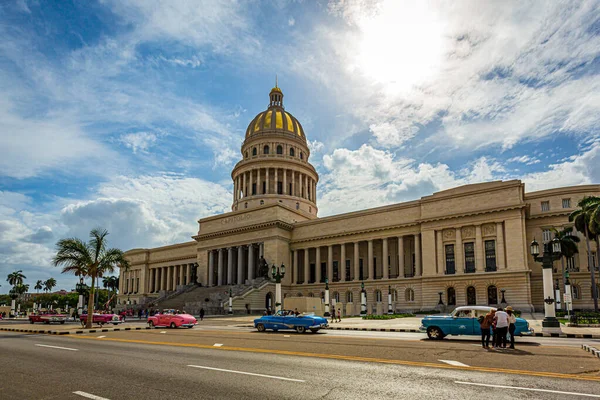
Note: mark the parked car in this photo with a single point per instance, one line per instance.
(284, 319)
(464, 321)
(172, 319)
(47, 318)
(101, 319)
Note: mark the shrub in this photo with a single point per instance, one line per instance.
(386, 316)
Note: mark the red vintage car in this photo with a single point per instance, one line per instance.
(172, 319)
(47, 318)
(102, 319)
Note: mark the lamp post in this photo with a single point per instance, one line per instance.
(80, 288)
(551, 253)
(13, 295)
(567, 299)
(278, 273)
(503, 300)
(363, 300)
(557, 295)
(327, 313)
(390, 310)
(440, 302)
(230, 300)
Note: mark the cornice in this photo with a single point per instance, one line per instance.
(471, 213)
(469, 190)
(164, 260)
(353, 233)
(261, 161)
(548, 214)
(277, 223)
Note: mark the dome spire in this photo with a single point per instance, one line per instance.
(276, 96)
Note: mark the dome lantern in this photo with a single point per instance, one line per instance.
(276, 96)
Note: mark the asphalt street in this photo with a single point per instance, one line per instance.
(220, 363)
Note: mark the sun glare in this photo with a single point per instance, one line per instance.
(401, 45)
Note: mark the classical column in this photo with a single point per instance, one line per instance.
(293, 183)
(295, 272)
(211, 268)
(342, 264)
(356, 262)
(155, 282)
(250, 262)
(259, 183)
(385, 264)
(418, 271)
(240, 265)
(261, 249)
(330, 263)
(230, 265)
(285, 188)
(441, 251)
(276, 181)
(175, 273)
(306, 266)
(318, 264)
(169, 278)
(400, 256)
(220, 268)
(458, 252)
(500, 246)
(479, 265)
(267, 184)
(163, 276)
(306, 186)
(370, 273)
(188, 274)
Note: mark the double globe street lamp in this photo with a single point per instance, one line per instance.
(552, 252)
(278, 273)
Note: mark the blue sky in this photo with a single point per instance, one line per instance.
(129, 114)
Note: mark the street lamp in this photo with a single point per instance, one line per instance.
(503, 301)
(557, 295)
(278, 273)
(230, 300)
(13, 295)
(551, 253)
(327, 313)
(80, 288)
(567, 300)
(440, 302)
(390, 310)
(363, 300)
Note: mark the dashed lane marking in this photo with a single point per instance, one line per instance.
(100, 337)
(455, 363)
(89, 396)
(529, 389)
(217, 344)
(57, 347)
(286, 336)
(247, 373)
(163, 331)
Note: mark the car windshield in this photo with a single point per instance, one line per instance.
(463, 313)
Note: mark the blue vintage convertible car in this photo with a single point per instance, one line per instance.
(464, 321)
(287, 320)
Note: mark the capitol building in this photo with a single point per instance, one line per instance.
(463, 246)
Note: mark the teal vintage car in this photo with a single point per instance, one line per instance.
(285, 319)
(464, 321)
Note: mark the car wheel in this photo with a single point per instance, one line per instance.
(275, 330)
(62, 322)
(173, 326)
(260, 327)
(300, 329)
(435, 333)
(47, 322)
(314, 330)
(151, 324)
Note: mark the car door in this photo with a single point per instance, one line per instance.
(462, 323)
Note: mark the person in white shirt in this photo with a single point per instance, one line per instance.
(512, 321)
(502, 323)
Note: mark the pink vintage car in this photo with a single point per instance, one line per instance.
(102, 319)
(172, 320)
(47, 318)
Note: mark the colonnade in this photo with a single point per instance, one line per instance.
(234, 265)
(260, 181)
(129, 282)
(351, 263)
(157, 278)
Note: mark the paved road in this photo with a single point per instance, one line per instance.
(186, 364)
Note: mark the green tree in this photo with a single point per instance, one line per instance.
(16, 278)
(38, 286)
(583, 222)
(49, 284)
(568, 247)
(92, 257)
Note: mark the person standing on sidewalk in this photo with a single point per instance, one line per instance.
(201, 314)
(512, 320)
(486, 322)
(339, 314)
(501, 328)
(333, 314)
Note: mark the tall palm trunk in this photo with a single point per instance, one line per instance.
(564, 283)
(591, 268)
(90, 316)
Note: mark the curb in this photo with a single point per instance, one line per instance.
(595, 352)
(51, 332)
(374, 329)
(567, 335)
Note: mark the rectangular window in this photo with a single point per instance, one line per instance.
(546, 235)
(450, 267)
(571, 266)
(593, 261)
(469, 257)
(390, 266)
(375, 268)
(254, 189)
(312, 272)
(336, 275)
(290, 189)
(490, 255)
(323, 271)
(566, 203)
(347, 270)
(279, 188)
(545, 206)
(361, 275)
(264, 189)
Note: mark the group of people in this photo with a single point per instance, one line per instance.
(497, 324)
(333, 314)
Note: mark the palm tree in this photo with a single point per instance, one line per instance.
(16, 278)
(594, 205)
(568, 247)
(583, 219)
(92, 257)
(49, 284)
(38, 286)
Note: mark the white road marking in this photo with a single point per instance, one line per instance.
(530, 389)
(163, 331)
(247, 373)
(455, 363)
(286, 335)
(90, 396)
(56, 347)
(100, 337)
(217, 344)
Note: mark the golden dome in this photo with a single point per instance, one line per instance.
(275, 118)
(276, 89)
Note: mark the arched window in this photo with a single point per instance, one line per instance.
(576, 292)
(451, 296)
(246, 205)
(409, 295)
(292, 152)
(471, 296)
(299, 295)
(336, 296)
(254, 151)
(266, 150)
(279, 149)
(246, 154)
(492, 295)
(301, 156)
(394, 295)
(262, 202)
(349, 297)
(378, 296)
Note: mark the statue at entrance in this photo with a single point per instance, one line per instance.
(263, 268)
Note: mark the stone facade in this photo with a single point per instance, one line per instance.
(469, 243)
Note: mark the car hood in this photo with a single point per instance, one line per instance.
(437, 316)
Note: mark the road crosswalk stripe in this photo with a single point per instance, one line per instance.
(455, 363)
(90, 396)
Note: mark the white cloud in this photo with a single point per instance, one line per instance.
(192, 62)
(315, 146)
(524, 160)
(291, 21)
(139, 141)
